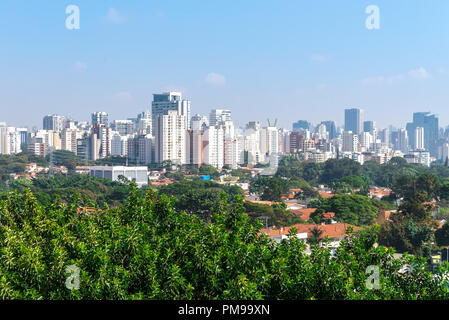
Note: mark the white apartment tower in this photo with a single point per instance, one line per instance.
(213, 143)
(419, 138)
(269, 141)
(170, 101)
(170, 137)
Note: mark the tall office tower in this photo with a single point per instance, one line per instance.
(123, 127)
(429, 122)
(296, 142)
(350, 141)
(53, 122)
(24, 135)
(101, 118)
(170, 137)
(83, 146)
(139, 149)
(354, 120)
(199, 122)
(330, 128)
(170, 101)
(194, 147)
(301, 125)
(219, 116)
(370, 126)
(213, 153)
(419, 139)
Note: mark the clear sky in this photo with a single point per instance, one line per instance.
(262, 59)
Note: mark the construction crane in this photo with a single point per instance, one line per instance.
(275, 122)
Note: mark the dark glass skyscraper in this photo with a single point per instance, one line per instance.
(354, 120)
(369, 126)
(301, 125)
(429, 122)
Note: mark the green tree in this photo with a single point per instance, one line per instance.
(350, 208)
(442, 235)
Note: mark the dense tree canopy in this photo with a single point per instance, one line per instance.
(145, 249)
(198, 196)
(371, 172)
(350, 208)
(101, 191)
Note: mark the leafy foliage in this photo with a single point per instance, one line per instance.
(145, 249)
(350, 208)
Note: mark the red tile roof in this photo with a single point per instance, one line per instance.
(304, 214)
(327, 215)
(332, 231)
(326, 195)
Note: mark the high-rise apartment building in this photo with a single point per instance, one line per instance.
(123, 127)
(144, 123)
(419, 139)
(53, 122)
(170, 137)
(269, 141)
(103, 134)
(199, 122)
(230, 145)
(251, 144)
(101, 118)
(296, 142)
(139, 149)
(164, 102)
(214, 146)
(194, 147)
(350, 141)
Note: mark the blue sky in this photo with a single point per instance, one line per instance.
(263, 59)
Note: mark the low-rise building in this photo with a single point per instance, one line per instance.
(139, 175)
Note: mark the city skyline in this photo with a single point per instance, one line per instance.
(285, 60)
